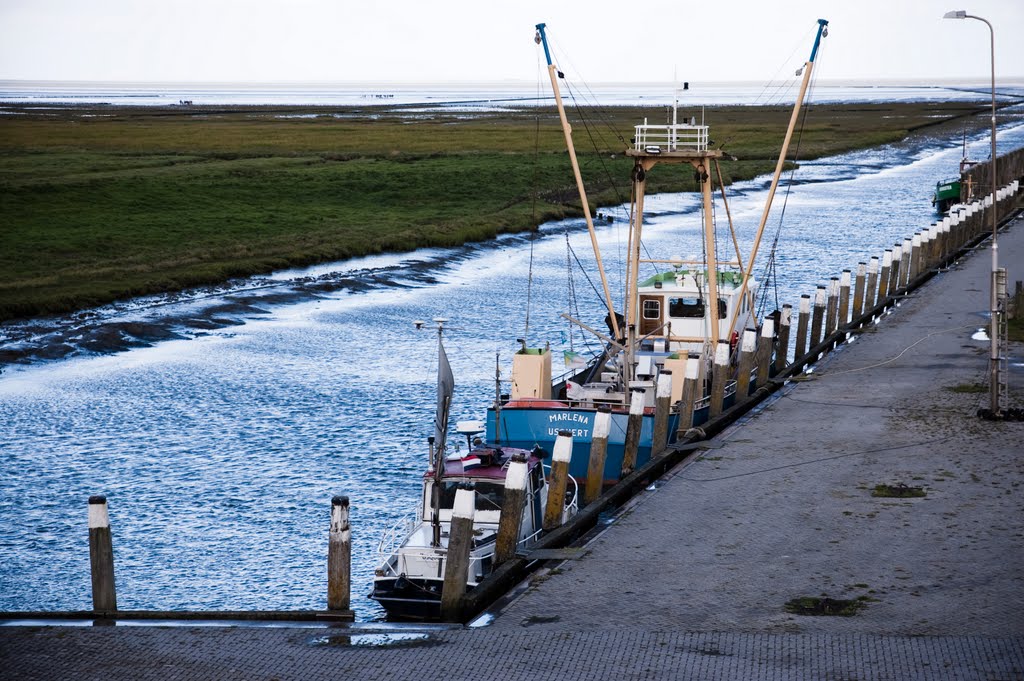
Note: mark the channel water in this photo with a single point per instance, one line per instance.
(219, 423)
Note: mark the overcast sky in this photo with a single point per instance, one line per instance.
(473, 40)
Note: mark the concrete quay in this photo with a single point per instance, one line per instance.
(690, 580)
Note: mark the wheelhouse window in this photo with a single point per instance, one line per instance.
(722, 308)
(652, 309)
(682, 308)
(489, 495)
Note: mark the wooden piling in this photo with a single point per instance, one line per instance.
(915, 255)
(858, 290)
(510, 522)
(460, 544)
(943, 239)
(926, 250)
(599, 451)
(933, 239)
(894, 270)
(905, 250)
(748, 346)
(691, 393)
(870, 293)
(818, 316)
(633, 428)
(844, 297)
(883, 276)
(101, 556)
(339, 556)
(763, 358)
(719, 377)
(801, 326)
(560, 457)
(782, 346)
(662, 408)
(832, 306)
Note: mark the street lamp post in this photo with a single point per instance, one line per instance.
(994, 329)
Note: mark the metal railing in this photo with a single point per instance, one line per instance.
(669, 138)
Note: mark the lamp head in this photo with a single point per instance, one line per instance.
(955, 14)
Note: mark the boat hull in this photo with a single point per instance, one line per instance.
(528, 427)
(409, 598)
(946, 194)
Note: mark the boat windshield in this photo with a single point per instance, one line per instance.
(489, 495)
(685, 307)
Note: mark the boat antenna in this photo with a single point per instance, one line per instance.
(555, 74)
(807, 69)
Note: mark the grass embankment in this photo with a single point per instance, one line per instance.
(104, 203)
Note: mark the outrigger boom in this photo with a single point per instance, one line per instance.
(808, 67)
(567, 129)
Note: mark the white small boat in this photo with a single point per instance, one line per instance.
(409, 579)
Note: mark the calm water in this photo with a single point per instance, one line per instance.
(219, 423)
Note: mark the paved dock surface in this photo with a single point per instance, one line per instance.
(691, 580)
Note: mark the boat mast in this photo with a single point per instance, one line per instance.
(808, 67)
(445, 389)
(567, 130)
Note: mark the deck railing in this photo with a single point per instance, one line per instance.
(669, 138)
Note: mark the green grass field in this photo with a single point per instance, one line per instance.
(104, 203)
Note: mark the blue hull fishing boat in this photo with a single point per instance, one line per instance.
(676, 312)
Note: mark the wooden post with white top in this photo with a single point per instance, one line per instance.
(763, 358)
(832, 308)
(801, 326)
(905, 252)
(598, 453)
(460, 545)
(662, 408)
(782, 346)
(858, 290)
(510, 522)
(633, 428)
(915, 255)
(720, 375)
(895, 271)
(844, 297)
(691, 388)
(883, 276)
(748, 347)
(101, 556)
(870, 293)
(818, 317)
(339, 556)
(560, 457)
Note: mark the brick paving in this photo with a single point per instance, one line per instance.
(690, 581)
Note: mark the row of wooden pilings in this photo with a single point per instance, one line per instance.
(339, 569)
(824, 319)
(339, 553)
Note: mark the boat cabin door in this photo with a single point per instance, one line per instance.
(652, 314)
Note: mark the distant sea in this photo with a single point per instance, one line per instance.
(481, 96)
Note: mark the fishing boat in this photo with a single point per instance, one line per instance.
(409, 579)
(947, 193)
(951, 192)
(673, 307)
